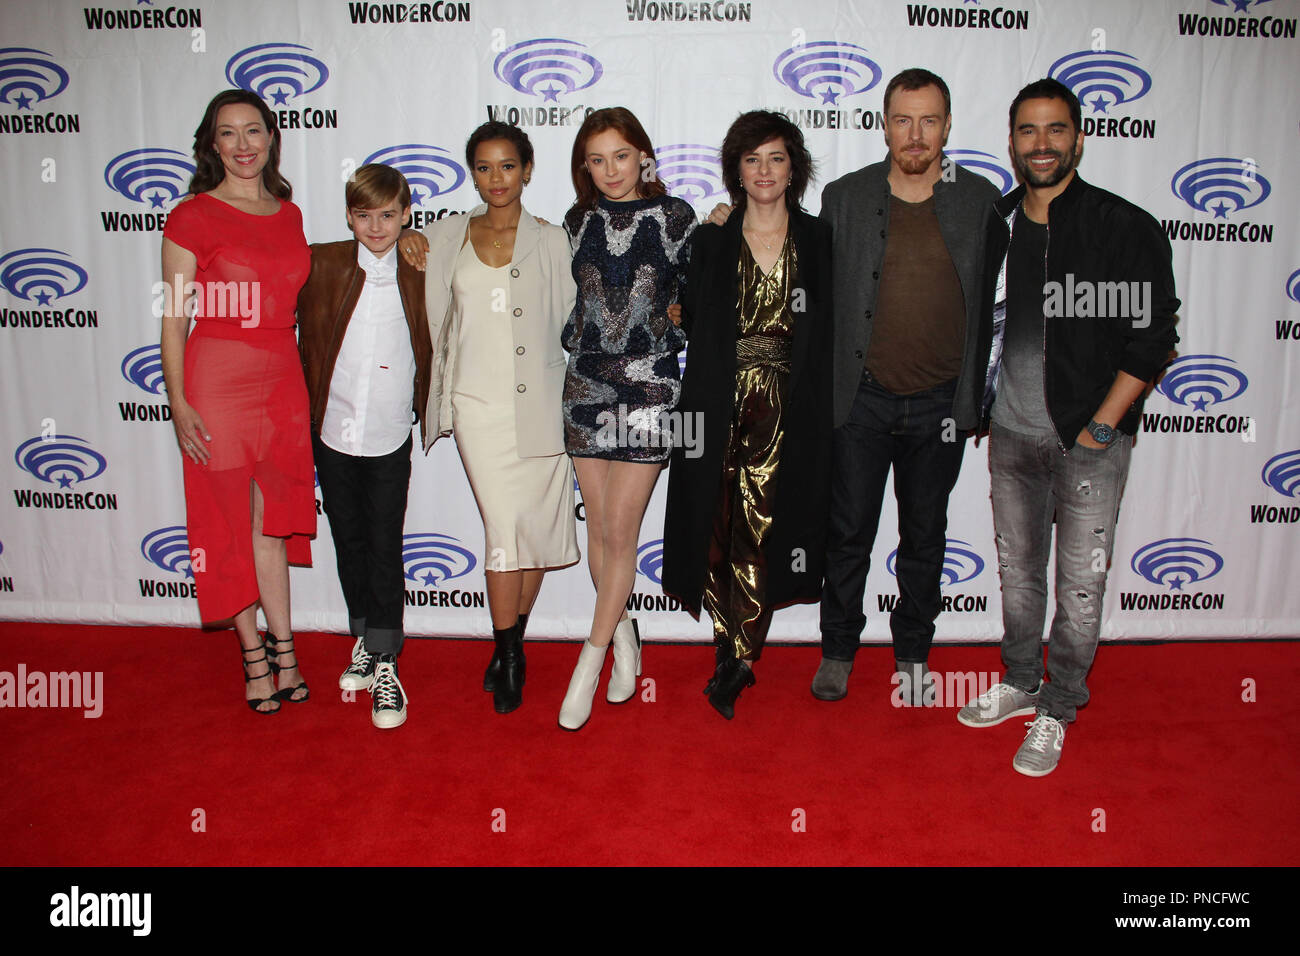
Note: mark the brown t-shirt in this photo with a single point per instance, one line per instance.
(918, 335)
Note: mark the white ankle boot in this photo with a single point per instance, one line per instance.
(627, 662)
(582, 686)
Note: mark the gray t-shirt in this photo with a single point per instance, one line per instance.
(1020, 404)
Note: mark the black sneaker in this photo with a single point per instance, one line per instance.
(387, 699)
(361, 670)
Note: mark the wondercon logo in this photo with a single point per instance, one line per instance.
(1293, 286)
(547, 67)
(1229, 184)
(960, 564)
(431, 559)
(1202, 380)
(690, 171)
(169, 549)
(650, 560)
(429, 169)
(64, 460)
(1282, 473)
(143, 367)
(826, 69)
(39, 275)
(277, 71)
(1239, 6)
(986, 164)
(28, 76)
(1102, 79)
(1177, 561)
(152, 175)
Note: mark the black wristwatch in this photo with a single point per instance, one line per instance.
(1101, 434)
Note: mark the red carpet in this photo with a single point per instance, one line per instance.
(1184, 771)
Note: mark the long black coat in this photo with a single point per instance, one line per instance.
(795, 548)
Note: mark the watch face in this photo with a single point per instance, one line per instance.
(1103, 434)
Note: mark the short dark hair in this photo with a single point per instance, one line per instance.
(209, 171)
(750, 131)
(1048, 89)
(495, 129)
(917, 78)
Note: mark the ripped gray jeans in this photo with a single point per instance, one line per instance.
(1031, 483)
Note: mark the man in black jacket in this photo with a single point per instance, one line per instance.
(1084, 319)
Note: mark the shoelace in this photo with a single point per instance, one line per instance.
(386, 686)
(361, 659)
(1041, 730)
(994, 695)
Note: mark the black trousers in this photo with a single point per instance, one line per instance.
(365, 501)
(907, 433)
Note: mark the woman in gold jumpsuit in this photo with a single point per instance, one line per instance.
(745, 525)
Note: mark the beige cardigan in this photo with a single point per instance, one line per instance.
(542, 294)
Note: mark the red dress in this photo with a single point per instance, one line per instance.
(244, 377)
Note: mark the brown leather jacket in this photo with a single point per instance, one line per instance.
(325, 307)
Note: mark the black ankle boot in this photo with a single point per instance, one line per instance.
(720, 653)
(733, 677)
(508, 693)
(493, 672)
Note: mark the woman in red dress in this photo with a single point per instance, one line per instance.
(234, 257)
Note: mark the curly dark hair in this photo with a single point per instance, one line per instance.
(495, 129)
(208, 170)
(750, 131)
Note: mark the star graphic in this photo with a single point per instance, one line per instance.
(65, 482)
(24, 101)
(429, 579)
(42, 298)
(1241, 5)
(1200, 403)
(417, 196)
(189, 571)
(1099, 103)
(280, 97)
(156, 199)
(1176, 584)
(550, 94)
(138, 2)
(829, 95)
(1220, 210)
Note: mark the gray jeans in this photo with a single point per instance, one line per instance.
(1032, 482)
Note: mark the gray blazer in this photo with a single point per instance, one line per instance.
(857, 208)
(542, 293)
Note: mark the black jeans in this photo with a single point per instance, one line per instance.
(915, 435)
(365, 501)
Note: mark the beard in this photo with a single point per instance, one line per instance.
(914, 164)
(1065, 163)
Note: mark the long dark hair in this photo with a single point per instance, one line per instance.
(622, 120)
(208, 171)
(750, 131)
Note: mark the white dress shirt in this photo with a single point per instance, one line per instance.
(373, 385)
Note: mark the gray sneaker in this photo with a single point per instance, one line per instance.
(831, 682)
(1000, 702)
(1041, 751)
(362, 669)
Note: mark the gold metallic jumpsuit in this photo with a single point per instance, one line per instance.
(737, 580)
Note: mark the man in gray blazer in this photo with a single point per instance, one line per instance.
(912, 334)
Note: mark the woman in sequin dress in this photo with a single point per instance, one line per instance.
(631, 247)
(745, 524)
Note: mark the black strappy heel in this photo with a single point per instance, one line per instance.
(255, 702)
(285, 693)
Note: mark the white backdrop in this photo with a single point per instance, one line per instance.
(1192, 110)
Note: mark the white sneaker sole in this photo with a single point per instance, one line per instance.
(353, 682)
(388, 719)
(979, 722)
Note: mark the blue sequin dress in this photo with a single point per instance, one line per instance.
(623, 380)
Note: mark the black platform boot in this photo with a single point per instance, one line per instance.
(509, 691)
(493, 672)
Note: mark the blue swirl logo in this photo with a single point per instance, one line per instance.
(152, 175)
(548, 67)
(1293, 286)
(1220, 185)
(1282, 473)
(1239, 6)
(690, 171)
(1202, 380)
(29, 76)
(169, 549)
(1173, 562)
(650, 560)
(960, 564)
(986, 164)
(1102, 80)
(827, 70)
(40, 275)
(64, 460)
(143, 367)
(429, 169)
(277, 72)
(431, 559)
